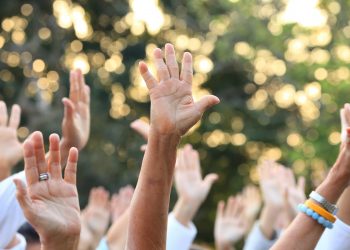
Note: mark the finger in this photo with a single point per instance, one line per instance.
(230, 206)
(68, 108)
(141, 127)
(39, 148)
(15, 117)
(74, 87)
(187, 68)
(196, 161)
(210, 179)
(347, 113)
(81, 82)
(343, 125)
(162, 69)
(206, 102)
(220, 210)
(70, 173)
(85, 96)
(55, 158)
(301, 183)
(171, 60)
(3, 114)
(143, 147)
(151, 82)
(30, 165)
(22, 196)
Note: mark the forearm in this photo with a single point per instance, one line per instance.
(344, 206)
(149, 208)
(116, 235)
(268, 220)
(305, 229)
(184, 211)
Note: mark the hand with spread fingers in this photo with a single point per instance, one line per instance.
(10, 147)
(173, 113)
(192, 189)
(173, 110)
(49, 202)
(76, 120)
(230, 223)
(94, 218)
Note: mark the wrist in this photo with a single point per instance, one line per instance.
(220, 245)
(185, 210)
(333, 186)
(268, 220)
(69, 243)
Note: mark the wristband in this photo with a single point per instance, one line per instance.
(309, 212)
(320, 210)
(324, 203)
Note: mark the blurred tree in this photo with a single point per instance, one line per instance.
(280, 70)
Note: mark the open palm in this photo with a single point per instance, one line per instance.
(76, 121)
(51, 206)
(188, 178)
(230, 223)
(10, 147)
(173, 110)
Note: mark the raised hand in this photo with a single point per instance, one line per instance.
(191, 188)
(10, 147)
(189, 183)
(173, 110)
(230, 223)
(120, 202)
(94, 218)
(76, 121)
(271, 183)
(252, 201)
(51, 206)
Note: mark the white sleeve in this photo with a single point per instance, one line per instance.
(257, 241)
(22, 245)
(179, 237)
(11, 215)
(337, 238)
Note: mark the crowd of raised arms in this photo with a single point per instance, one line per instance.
(39, 207)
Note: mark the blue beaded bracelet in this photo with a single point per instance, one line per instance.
(309, 212)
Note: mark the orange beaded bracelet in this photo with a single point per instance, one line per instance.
(320, 210)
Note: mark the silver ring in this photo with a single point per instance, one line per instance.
(44, 177)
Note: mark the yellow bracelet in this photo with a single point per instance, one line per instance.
(320, 210)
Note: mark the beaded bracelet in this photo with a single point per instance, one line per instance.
(320, 210)
(321, 220)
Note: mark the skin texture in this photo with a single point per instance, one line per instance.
(230, 223)
(192, 189)
(117, 233)
(305, 229)
(51, 206)
(173, 113)
(75, 125)
(252, 202)
(10, 147)
(94, 218)
(76, 120)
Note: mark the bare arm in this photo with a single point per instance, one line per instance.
(306, 230)
(173, 113)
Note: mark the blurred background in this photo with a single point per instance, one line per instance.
(280, 69)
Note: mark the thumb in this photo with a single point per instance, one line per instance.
(68, 108)
(206, 102)
(22, 195)
(210, 179)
